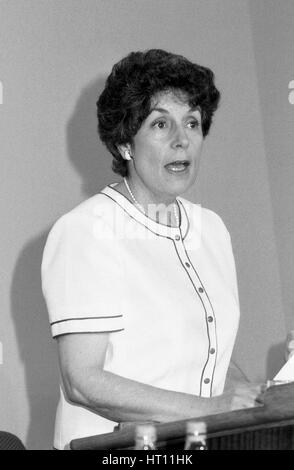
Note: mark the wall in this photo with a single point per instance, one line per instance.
(54, 57)
(272, 27)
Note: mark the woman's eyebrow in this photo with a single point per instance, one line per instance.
(160, 110)
(195, 108)
(165, 111)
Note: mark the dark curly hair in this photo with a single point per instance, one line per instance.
(126, 99)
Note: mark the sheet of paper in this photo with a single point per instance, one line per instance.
(287, 371)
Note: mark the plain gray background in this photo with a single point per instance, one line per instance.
(54, 57)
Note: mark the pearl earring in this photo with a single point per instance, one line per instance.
(127, 155)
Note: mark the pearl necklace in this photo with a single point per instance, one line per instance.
(142, 208)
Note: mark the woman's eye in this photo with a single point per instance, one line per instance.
(193, 124)
(160, 124)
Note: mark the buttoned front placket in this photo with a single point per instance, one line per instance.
(177, 236)
(206, 380)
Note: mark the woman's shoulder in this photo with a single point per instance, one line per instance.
(96, 205)
(208, 218)
(93, 214)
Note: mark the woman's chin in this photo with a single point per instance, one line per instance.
(179, 183)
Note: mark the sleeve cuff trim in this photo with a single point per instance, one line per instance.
(83, 325)
(85, 318)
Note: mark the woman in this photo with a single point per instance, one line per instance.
(140, 283)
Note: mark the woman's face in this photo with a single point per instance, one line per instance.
(166, 149)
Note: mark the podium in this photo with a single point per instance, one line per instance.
(269, 426)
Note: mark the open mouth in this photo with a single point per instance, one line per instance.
(177, 166)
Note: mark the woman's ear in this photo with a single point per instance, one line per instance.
(125, 151)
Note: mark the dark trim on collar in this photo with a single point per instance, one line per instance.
(155, 227)
(187, 218)
(138, 221)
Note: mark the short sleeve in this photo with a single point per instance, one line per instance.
(81, 277)
(230, 259)
(224, 251)
(232, 265)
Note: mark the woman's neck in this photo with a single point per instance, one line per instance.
(164, 212)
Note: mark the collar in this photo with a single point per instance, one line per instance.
(150, 224)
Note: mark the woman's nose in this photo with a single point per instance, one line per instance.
(179, 138)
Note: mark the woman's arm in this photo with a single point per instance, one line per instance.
(119, 399)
